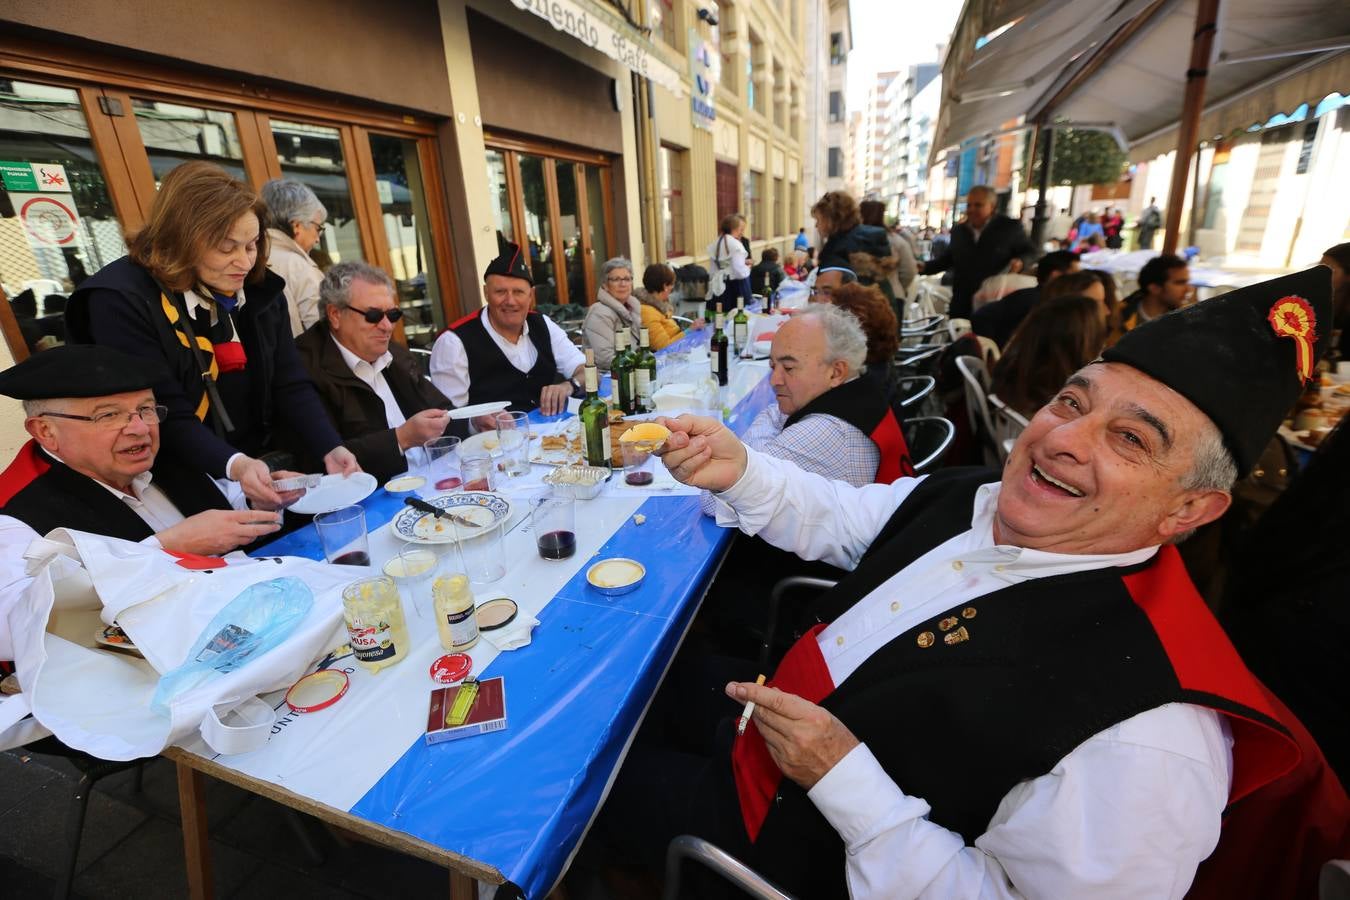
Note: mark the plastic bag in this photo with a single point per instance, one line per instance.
(260, 618)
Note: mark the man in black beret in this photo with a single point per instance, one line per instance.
(92, 412)
(506, 352)
(1017, 690)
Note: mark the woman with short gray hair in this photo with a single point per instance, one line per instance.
(615, 307)
(295, 218)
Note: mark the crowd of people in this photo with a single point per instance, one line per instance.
(1014, 689)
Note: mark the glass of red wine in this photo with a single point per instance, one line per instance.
(342, 533)
(639, 463)
(553, 520)
(443, 464)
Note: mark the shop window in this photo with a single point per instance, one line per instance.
(312, 154)
(672, 200)
(598, 225)
(726, 31)
(537, 228)
(501, 197)
(754, 205)
(575, 267)
(407, 229)
(779, 208)
(665, 22)
(57, 222)
(754, 75)
(173, 133)
(728, 191)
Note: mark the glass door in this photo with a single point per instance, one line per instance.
(407, 230)
(312, 154)
(57, 221)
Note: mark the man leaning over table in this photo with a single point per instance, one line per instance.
(371, 385)
(1017, 691)
(91, 410)
(825, 417)
(506, 352)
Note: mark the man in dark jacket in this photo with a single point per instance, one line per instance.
(371, 386)
(981, 245)
(767, 274)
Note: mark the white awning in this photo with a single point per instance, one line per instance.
(1139, 88)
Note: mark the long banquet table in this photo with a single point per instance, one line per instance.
(510, 806)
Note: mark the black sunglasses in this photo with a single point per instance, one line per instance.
(373, 316)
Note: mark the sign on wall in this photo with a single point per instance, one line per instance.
(705, 65)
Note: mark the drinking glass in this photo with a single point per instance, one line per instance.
(513, 438)
(342, 533)
(443, 463)
(553, 520)
(639, 463)
(413, 570)
(481, 551)
(478, 468)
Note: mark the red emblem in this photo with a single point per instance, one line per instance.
(1293, 317)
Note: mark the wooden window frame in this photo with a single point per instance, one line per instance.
(122, 157)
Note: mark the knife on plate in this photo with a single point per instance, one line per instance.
(424, 506)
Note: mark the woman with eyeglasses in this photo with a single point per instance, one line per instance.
(295, 218)
(615, 307)
(194, 292)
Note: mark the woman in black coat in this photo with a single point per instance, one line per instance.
(194, 291)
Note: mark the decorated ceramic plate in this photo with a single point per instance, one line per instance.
(485, 511)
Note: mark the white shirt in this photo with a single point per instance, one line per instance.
(450, 364)
(154, 507)
(1130, 812)
(373, 375)
(729, 251)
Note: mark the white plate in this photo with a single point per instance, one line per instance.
(335, 492)
(489, 510)
(479, 409)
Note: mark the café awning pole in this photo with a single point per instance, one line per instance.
(1202, 48)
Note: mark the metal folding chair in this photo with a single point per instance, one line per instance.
(912, 389)
(723, 863)
(929, 438)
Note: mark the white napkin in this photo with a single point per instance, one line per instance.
(512, 636)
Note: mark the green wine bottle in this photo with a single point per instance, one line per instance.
(621, 374)
(644, 368)
(740, 327)
(594, 415)
(717, 350)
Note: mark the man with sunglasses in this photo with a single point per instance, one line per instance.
(371, 385)
(93, 415)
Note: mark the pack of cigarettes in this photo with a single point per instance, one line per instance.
(462, 710)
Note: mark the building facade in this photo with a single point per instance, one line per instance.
(828, 80)
(432, 130)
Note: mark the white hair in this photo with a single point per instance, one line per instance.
(844, 337)
(290, 201)
(336, 287)
(610, 265)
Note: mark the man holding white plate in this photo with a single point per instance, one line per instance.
(370, 385)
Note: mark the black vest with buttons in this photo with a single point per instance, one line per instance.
(958, 712)
(491, 375)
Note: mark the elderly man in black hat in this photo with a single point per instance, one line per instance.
(506, 352)
(1017, 691)
(92, 412)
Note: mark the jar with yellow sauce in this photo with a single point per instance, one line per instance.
(375, 625)
(455, 612)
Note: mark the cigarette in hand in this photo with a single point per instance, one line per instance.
(748, 711)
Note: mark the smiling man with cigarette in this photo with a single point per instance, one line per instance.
(1017, 691)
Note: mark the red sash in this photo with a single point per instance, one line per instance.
(890, 440)
(802, 672)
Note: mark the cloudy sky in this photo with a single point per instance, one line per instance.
(892, 34)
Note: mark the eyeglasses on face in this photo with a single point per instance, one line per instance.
(151, 414)
(373, 316)
(620, 279)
